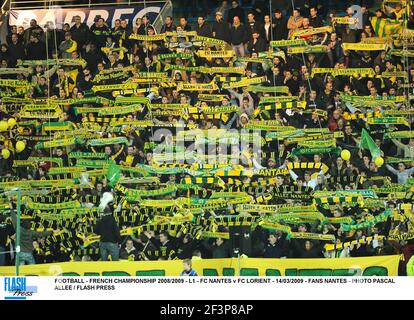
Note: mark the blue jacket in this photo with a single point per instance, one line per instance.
(191, 273)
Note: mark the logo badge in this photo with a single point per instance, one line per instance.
(16, 288)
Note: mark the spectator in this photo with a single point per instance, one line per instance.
(276, 247)
(163, 244)
(220, 28)
(52, 37)
(92, 57)
(129, 253)
(238, 37)
(186, 246)
(16, 50)
(219, 249)
(408, 150)
(314, 19)
(99, 30)
(295, 22)
(252, 24)
(34, 29)
(309, 250)
(80, 33)
(267, 30)
(85, 80)
(118, 31)
(13, 31)
(202, 28)
(257, 44)
(188, 269)
(146, 25)
(349, 36)
(26, 239)
(236, 11)
(184, 24)
(224, 9)
(402, 173)
(35, 49)
(67, 46)
(280, 31)
(168, 26)
(108, 230)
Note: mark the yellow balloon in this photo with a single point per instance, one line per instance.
(379, 161)
(11, 122)
(20, 146)
(5, 153)
(4, 126)
(346, 155)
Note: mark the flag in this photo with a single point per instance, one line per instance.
(386, 27)
(114, 174)
(368, 143)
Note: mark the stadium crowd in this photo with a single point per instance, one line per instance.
(69, 93)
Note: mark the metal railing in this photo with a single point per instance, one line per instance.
(166, 11)
(5, 7)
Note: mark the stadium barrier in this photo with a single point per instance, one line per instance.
(371, 266)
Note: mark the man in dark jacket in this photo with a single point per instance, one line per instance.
(236, 11)
(16, 50)
(220, 28)
(129, 252)
(238, 37)
(276, 248)
(314, 19)
(252, 24)
(26, 239)
(34, 29)
(92, 57)
(108, 229)
(202, 28)
(219, 250)
(80, 33)
(168, 26)
(184, 24)
(84, 80)
(99, 32)
(280, 30)
(36, 50)
(186, 247)
(145, 26)
(257, 44)
(165, 246)
(290, 82)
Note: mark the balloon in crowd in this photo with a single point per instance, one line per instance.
(379, 161)
(4, 126)
(5, 153)
(20, 146)
(346, 155)
(11, 123)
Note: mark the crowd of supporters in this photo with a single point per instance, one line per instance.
(108, 49)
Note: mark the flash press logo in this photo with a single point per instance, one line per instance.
(17, 289)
